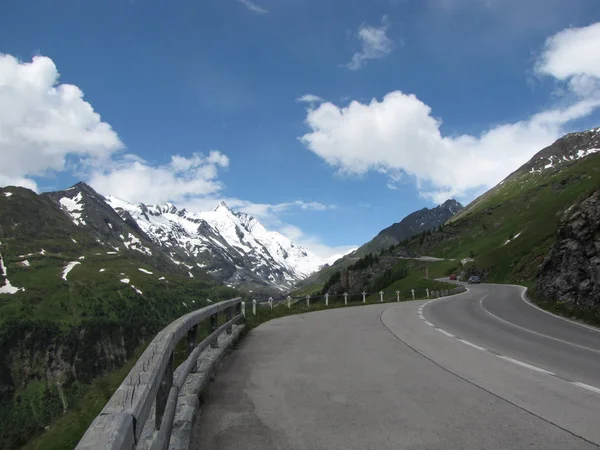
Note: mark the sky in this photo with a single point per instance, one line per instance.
(328, 120)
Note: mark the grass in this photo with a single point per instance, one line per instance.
(529, 207)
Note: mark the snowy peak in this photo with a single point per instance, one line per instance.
(222, 206)
(235, 248)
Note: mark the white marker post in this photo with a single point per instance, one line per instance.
(289, 302)
(427, 292)
(271, 303)
(381, 296)
(397, 296)
(345, 298)
(413, 293)
(364, 297)
(308, 301)
(244, 309)
(254, 306)
(326, 299)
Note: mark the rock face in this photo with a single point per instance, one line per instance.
(571, 271)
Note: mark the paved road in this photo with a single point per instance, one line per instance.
(379, 377)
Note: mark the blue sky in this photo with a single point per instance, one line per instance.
(411, 102)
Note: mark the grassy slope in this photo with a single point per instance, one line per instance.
(530, 206)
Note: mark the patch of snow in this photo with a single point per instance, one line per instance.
(145, 271)
(68, 268)
(43, 252)
(74, 240)
(8, 194)
(137, 290)
(111, 253)
(125, 280)
(74, 208)
(101, 270)
(162, 278)
(584, 153)
(190, 274)
(82, 257)
(25, 263)
(7, 288)
(183, 303)
(109, 225)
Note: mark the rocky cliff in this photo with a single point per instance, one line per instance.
(571, 271)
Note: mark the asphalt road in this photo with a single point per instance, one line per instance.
(386, 377)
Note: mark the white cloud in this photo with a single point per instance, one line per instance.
(310, 98)
(375, 45)
(314, 244)
(399, 134)
(182, 179)
(43, 123)
(572, 56)
(253, 7)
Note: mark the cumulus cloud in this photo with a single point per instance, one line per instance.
(399, 135)
(182, 179)
(251, 6)
(375, 45)
(572, 56)
(44, 123)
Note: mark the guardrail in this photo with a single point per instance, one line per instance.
(152, 381)
(330, 299)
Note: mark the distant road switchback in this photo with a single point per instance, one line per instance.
(480, 370)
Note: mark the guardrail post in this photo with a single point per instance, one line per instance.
(427, 292)
(308, 301)
(243, 308)
(364, 294)
(326, 299)
(345, 298)
(214, 320)
(254, 306)
(228, 317)
(413, 293)
(271, 303)
(289, 299)
(163, 393)
(381, 296)
(397, 296)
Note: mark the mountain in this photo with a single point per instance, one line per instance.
(234, 248)
(509, 230)
(415, 223)
(80, 290)
(423, 220)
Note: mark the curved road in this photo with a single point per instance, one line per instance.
(480, 370)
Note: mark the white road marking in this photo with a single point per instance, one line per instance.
(445, 332)
(521, 363)
(534, 332)
(472, 345)
(587, 386)
(429, 323)
(523, 297)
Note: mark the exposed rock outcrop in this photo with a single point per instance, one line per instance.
(571, 271)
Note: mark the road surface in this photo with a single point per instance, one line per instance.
(455, 373)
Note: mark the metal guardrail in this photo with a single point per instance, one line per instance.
(120, 424)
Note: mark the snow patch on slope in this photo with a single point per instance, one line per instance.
(74, 208)
(7, 288)
(68, 268)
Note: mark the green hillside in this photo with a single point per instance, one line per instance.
(511, 229)
(58, 335)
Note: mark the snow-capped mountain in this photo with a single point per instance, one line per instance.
(232, 247)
